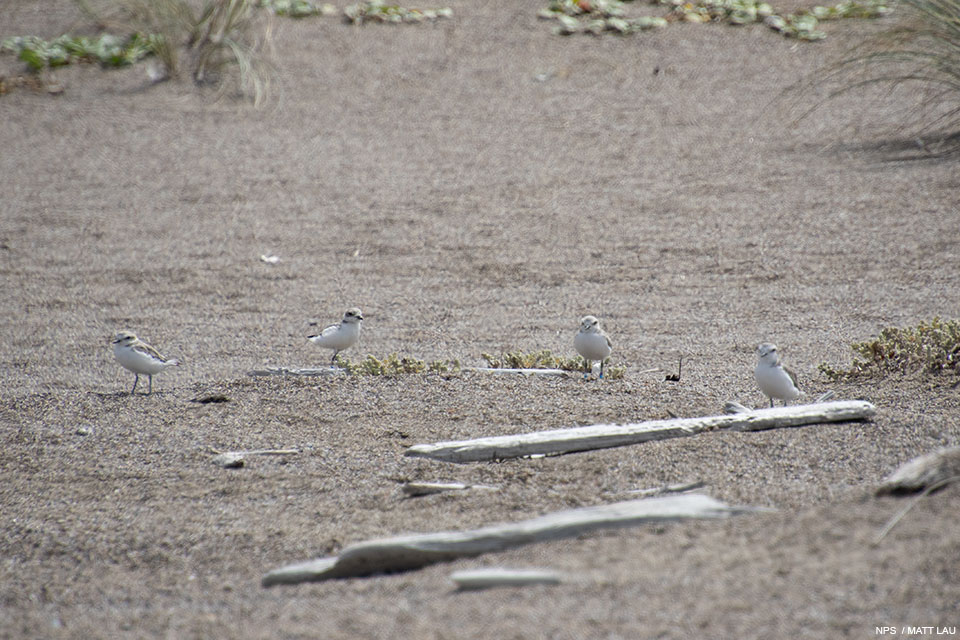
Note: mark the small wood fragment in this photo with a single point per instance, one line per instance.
(602, 436)
(474, 579)
(670, 488)
(237, 459)
(416, 489)
(306, 372)
(524, 372)
(404, 553)
(923, 472)
(229, 460)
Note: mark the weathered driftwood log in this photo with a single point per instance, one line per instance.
(601, 436)
(416, 489)
(414, 551)
(286, 371)
(929, 470)
(472, 579)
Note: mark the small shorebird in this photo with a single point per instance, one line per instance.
(340, 336)
(775, 380)
(592, 343)
(140, 358)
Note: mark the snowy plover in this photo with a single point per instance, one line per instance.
(592, 343)
(775, 380)
(140, 358)
(340, 336)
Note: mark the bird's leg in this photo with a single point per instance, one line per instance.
(136, 379)
(586, 368)
(333, 359)
(771, 402)
(150, 387)
(601, 369)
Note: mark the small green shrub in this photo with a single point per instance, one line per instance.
(378, 11)
(599, 16)
(297, 8)
(107, 49)
(930, 348)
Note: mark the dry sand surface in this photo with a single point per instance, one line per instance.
(474, 186)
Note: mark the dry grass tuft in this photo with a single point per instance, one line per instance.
(922, 49)
(212, 40)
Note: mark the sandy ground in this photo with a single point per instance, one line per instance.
(474, 186)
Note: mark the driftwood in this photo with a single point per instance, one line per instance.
(286, 371)
(236, 459)
(670, 488)
(416, 489)
(923, 472)
(408, 552)
(472, 579)
(602, 436)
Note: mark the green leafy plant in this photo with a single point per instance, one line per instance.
(395, 364)
(932, 347)
(297, 8)
(379, 11)
(598, 16)
(107, 49)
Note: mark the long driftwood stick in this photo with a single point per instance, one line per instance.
(601, 436)
(414, 551)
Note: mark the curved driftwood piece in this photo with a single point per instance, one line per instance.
(928, 470)
(601, 436)
(286, 371)
(414, 551)
(473, 579)
(522, 372)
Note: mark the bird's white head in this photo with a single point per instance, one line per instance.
(767, 352)
(589, 323)
(124, 338)
(352, 315)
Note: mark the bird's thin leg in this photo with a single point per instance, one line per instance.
(333, 359)
(771, 402)
(601, 369)
(150, 387)
(586, 368)
(136, 379)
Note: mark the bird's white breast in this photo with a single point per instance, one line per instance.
(338, 336)
(138, 361)
(775, 382)
(592, 345)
